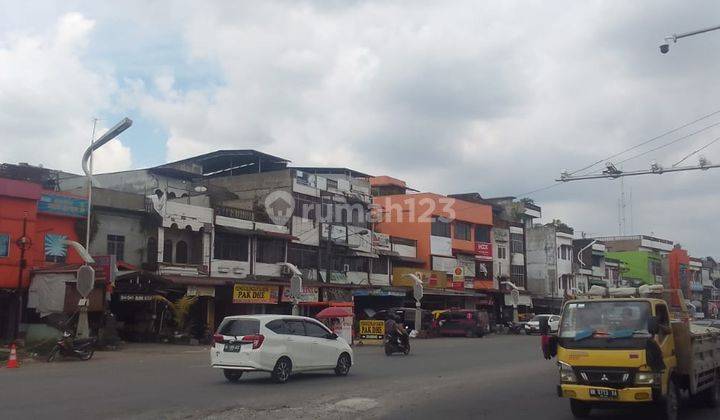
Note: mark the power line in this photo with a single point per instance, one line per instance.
(696, 151)
(670, 143)
(646, 142)
(540, 189)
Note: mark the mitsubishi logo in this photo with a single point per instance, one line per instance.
(604, 378)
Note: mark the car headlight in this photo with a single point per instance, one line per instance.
(567, 375)
(647, 378)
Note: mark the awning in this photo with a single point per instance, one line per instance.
(363, 254)
(525, 300)
(256, 232)
(408, 259)
(388, 252)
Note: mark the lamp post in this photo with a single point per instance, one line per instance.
(86, 274)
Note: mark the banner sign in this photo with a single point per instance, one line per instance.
(371, 329)
(245, 293)
(431, 279)
(308, 294)
(62, 205)
(483, 250)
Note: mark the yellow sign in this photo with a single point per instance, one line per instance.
(371, 329)
(245, 293)
(431, 279)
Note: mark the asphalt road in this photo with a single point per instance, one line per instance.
(496, 377)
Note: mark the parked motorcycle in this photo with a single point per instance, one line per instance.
(396, 344)
(511, 327)
(67, 346)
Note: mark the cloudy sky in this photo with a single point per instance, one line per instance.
(491, 97)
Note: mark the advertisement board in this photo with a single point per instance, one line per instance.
(371, 329)
(308, 294)
(431, 279)
(62, 205)
(483, 250)
(245, 293)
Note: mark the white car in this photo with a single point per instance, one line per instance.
(533, 326)
(279, 344)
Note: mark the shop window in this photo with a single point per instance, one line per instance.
(231, 247)
(152, 250)
(380, 265)
(167, 251)
(440, 227)
(357, 264)
(517, 243)
(4, 245)
(462, 231)
(482, 234)
(270, 251)
(181, 252)
(116, 246)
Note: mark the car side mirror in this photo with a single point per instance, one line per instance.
(653, 325)
(331, 336)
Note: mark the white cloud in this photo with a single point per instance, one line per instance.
(48, 97)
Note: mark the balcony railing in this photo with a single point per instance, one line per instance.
(235, 213)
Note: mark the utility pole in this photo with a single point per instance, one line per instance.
(655, 169)
(23, 243)
(89, 186)
(665, 47)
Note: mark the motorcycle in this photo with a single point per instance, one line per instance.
(394, 344)
(513, 328)
(67, 346)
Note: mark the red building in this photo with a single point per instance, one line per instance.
(678, 266)
(34, 223)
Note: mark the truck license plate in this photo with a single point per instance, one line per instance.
(603, 393)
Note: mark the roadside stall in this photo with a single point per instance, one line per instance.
(339, 319)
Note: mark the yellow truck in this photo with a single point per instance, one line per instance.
(622, 351)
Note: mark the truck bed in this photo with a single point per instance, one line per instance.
(698, 354)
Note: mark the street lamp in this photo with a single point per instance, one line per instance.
(665, 46)
(109, 135)
(86, 275)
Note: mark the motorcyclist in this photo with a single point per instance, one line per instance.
(395, 330)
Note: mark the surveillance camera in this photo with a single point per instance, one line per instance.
(664, 48)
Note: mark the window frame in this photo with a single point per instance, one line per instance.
(7, 250)
(439, 227)
(225, 243)
(260, 251)
(117, 243)
(466, 228)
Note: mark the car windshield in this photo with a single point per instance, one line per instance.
(619, 319)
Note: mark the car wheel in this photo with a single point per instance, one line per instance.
(712, 396)
(232, 375)
(579, 409)
(343, 365)
(282, 370)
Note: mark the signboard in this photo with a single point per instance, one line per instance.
(371, 329)
(62, 205)
(501, 235)
(127, 297)
(458, 275)
(85, 280)
(440, 245)
(201, 291)
(381, 241)
(245, 293)
(458, 285)
(307, 294)
(431, 279)
(55, 248)
(336, 295)
(483, 250)
(444, 264)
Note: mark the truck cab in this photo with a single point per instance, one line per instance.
(618, 351)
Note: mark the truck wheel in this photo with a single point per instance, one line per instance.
(670, 405)
(712, 395)
(579, 409)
